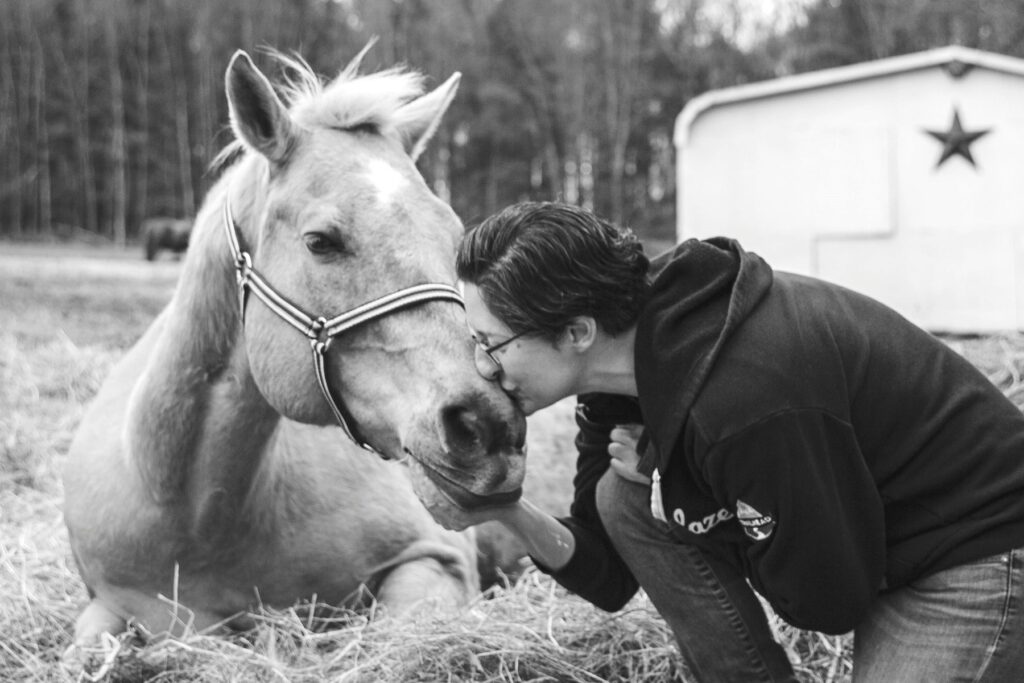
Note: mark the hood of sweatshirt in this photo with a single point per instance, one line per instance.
(701, 291)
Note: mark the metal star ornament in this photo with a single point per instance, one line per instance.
(956, 141)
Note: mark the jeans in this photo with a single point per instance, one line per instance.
(960, 624)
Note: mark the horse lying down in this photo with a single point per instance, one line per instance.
(226, 460)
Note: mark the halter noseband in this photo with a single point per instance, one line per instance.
(318, 330)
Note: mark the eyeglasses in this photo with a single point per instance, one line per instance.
(490, 350)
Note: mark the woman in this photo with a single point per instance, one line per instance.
(798, 438)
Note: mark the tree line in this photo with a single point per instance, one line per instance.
(111, 110)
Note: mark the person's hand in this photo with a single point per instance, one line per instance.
(623, 451)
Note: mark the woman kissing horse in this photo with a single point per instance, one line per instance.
(210, 474)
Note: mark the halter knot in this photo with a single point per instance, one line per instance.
(243, 266)
(317, 331)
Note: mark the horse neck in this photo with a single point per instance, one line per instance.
(198, 425)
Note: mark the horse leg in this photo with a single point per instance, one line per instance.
(95, 620)
(431, 573)
(94, 645)
(151, 247)
(89, 645)
(423, 581)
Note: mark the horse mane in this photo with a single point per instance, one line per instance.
(347, 102)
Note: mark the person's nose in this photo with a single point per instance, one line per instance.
(487, 368)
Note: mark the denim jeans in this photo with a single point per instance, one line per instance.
(961, 624)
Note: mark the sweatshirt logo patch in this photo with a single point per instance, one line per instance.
(755, 525)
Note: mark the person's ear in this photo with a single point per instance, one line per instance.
(581, 332)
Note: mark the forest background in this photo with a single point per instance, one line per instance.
(111, 110)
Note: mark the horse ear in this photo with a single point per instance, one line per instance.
(418, 120)
(258, 117)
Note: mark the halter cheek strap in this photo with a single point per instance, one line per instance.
(319, 330)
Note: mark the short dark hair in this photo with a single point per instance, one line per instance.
(538, 265)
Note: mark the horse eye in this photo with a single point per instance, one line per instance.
(320, 244)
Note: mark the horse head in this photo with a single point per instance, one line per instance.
(333, 220)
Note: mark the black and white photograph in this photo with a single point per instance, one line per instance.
(582, 341)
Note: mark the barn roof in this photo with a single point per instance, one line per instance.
(955, 58)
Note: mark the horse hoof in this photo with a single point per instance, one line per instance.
(91, 662)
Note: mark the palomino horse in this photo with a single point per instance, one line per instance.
(209, 474)
(164, 233)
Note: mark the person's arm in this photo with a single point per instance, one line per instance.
(574, 550)
(548, 541)
(595, 571)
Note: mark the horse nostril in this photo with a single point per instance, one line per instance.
(463, 430)
(481, 424)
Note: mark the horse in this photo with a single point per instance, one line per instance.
(164, 233)
(251, 451)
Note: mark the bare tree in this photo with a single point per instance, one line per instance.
(177, 75)
(118, 155)
(44, 180)
(621, 30)
(140, 169)
(10, 140)
(74, 63)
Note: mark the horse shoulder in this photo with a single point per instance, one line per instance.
(99, 457)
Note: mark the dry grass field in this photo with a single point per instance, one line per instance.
(66, 315)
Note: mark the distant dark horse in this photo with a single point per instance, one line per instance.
(165, 233)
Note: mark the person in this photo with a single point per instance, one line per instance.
(742, 430)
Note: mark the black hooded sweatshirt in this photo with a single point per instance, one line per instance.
(807, 435)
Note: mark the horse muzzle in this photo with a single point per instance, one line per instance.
(435, 489)
(471, 450)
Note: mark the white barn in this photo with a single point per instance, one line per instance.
(902, 178)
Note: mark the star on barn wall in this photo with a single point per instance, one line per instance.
(956, 141)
